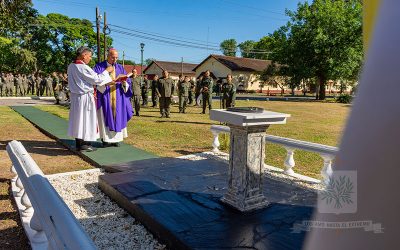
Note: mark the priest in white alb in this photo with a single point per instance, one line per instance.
(82, 115)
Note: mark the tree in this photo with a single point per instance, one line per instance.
(16, 17)
(246, 49)
(228, 47)
(266, 45)
(275, 74)
(13, 58)
(57, 37)
(322, 39)
(15, 34)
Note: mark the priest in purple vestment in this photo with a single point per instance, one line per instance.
(114, 108)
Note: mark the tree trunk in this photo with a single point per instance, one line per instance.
(322, 82)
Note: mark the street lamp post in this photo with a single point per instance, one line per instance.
(142, 83)
(141, 62)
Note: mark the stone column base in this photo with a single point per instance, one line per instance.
(245, 205)
(246, 163)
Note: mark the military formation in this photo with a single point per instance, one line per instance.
(189, 92)
(39, 85)
(197, 92)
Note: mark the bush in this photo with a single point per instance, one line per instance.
(344, 98)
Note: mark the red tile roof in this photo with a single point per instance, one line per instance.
(240, 63)
(128, 68)
(175, 67)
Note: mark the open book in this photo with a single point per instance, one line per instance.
(122, 77)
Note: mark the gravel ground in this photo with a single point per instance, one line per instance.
(110, 226)
(107, 224)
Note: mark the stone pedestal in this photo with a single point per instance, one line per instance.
(247, 151)
(246, 156)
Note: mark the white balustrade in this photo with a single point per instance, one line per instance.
(47, 220)
(14, 179)
(327, 153)
(289, 161)
(27, 204)
(19, 185)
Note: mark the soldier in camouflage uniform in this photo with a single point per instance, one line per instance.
(31, 84)
(145, 90)
(183, 90)
(64, 86)
(56, 87)
(154, 96)
(191, 91)
(38, 84)
(136, 81)
(228, 93)
(25, 85)
(2, 83)
(18, 83)
(197, 90)
(49, 86)
(9, 84)
(165, 89)
(206, 91)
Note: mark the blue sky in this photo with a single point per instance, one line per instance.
(197, 21)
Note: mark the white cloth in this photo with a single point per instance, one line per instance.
(82, 114)
(105, 133)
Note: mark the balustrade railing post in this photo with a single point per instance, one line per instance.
(326, 171)
(215, 143)
(28, 211)
(14, 172)
(289, 161)
(19, 185)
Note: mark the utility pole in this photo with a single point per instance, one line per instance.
(105, 37)
(123, 58)
(182, 66)
(98, 33)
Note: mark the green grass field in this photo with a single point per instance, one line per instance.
(318, 122)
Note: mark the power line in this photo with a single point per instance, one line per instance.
(176, 42)
(163, 37)
(160, 12)
(156, 37)
(163, 40)
(253, 8)
(203, 42)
